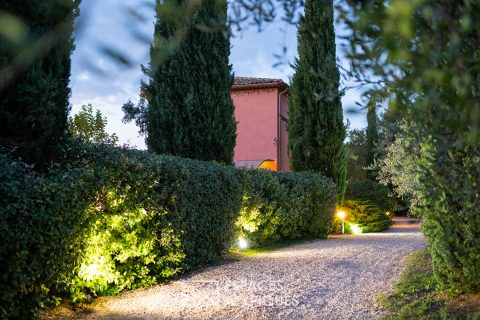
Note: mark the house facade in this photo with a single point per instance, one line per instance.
(261, 110)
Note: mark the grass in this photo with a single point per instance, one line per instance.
(415, 295)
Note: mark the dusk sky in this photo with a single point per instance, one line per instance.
(106, 85)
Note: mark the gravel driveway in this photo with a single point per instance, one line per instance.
(338, 278)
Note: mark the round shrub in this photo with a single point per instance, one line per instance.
(362, 217)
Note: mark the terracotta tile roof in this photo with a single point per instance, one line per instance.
(250, 80)
(257, 83)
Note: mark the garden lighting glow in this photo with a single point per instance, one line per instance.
(341, 215)
(355, 229)
(242, 243)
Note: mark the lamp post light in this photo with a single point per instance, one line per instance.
(341, 215)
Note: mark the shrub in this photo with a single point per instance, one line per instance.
(109, 219)
(41, 225)
(309, 207)
(159, 216)
(362, 217)
(451, 225)
(374, 193)
(258, 220)
(112, 219)
(286, 206)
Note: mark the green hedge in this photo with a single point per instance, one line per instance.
(369, 207)
(451, 225)
(112, 220)
(374, 193)
(109, 219)
(285, 206)
(40, 233)
(361, 217)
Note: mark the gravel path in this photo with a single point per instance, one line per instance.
(338, 278)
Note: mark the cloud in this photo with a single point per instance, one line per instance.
(84, 76)
(261, 65)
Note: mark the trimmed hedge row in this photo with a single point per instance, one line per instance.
(110, 219)
(40, 232)
(286, 206)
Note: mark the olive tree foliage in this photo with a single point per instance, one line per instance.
(259, 13)
(88, 127)
(423, 58)
(400, 168)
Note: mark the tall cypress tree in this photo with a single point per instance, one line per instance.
(372, 141)
(188, 111)
(316, 129)
(34, 92)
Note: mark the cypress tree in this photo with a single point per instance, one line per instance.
(316, 129)
(34, 92)
(372, 141)
(188, 110)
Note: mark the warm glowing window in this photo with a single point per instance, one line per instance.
(269, 165)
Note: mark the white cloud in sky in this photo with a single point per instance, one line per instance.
(84, 76)
(260, 66)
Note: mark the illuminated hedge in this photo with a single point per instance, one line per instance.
(109, 219)
(286, 206)
(155, 217)
(362, 217)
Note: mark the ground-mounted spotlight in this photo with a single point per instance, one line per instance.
(356, 229)
(242, 243)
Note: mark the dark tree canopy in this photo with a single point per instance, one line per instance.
(34, 92)
(187, 110)
(316, 129)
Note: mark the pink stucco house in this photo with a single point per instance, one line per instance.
(261, 110)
